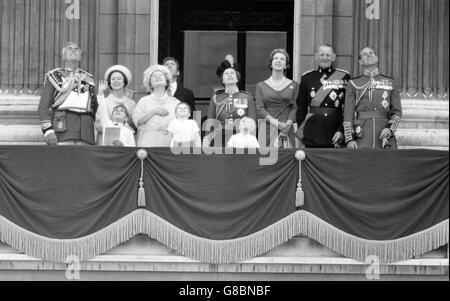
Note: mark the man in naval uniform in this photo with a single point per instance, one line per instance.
(320, 103)
(68, 102)
(373, 108)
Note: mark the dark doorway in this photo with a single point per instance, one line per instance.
(201, 33)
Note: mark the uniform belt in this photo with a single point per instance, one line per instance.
(373, 114)
(324, 111)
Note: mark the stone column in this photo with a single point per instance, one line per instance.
(317, 28)
(125, 39)
(327, 22)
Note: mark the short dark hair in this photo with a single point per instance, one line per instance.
(125, 79)
(365, 47)
(124, 107)
(170, 58)
(285, 53)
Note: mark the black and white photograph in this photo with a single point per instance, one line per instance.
(224, 146)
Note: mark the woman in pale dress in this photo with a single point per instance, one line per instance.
(276, 102)
(154, 113)
(116, 80)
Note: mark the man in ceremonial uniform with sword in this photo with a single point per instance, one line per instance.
(373, 108)
(320, 103)
(68, 102)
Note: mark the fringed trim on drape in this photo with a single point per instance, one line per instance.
(221, 251)
(56, 250)
(299, 223)
(226, 251)
(360, 249)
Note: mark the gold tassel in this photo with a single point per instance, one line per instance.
(142, 154)
(141, 198)
(300, 199)
(300, 195)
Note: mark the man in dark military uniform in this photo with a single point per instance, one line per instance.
(320, 103)
(68, 102)
(373, 108)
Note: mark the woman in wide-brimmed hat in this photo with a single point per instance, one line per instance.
(154, 113)
(116, 80)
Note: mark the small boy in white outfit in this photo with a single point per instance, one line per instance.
(185, 132)
(245, 138)
(119, 119)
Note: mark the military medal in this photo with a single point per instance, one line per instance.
(241, 112)
(385, 103)
(60, 125)
(337, 103)
(341, 96)
(333, 96)
(313, 93)
(358, 130)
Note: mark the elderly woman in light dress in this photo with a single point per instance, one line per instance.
(154, 112)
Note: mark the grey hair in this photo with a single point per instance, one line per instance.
(63, 52)
(148, 75)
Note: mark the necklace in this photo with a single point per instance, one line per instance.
(277, 84)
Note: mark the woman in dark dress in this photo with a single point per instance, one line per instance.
(276, 102)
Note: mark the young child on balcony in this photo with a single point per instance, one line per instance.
(119, 120)
(246, 137)
(184, 132)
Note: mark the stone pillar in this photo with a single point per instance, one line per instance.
(343, 29)
(317, 28)
(124, 38)
(107, 35)
(134, 40)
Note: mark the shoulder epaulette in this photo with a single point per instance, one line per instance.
(51, 72)
(51, 76)
(307, 72)
(245, 92)
(54, 70)
(218, 92)
(342, 70)
(87, 73)
(390, 77)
